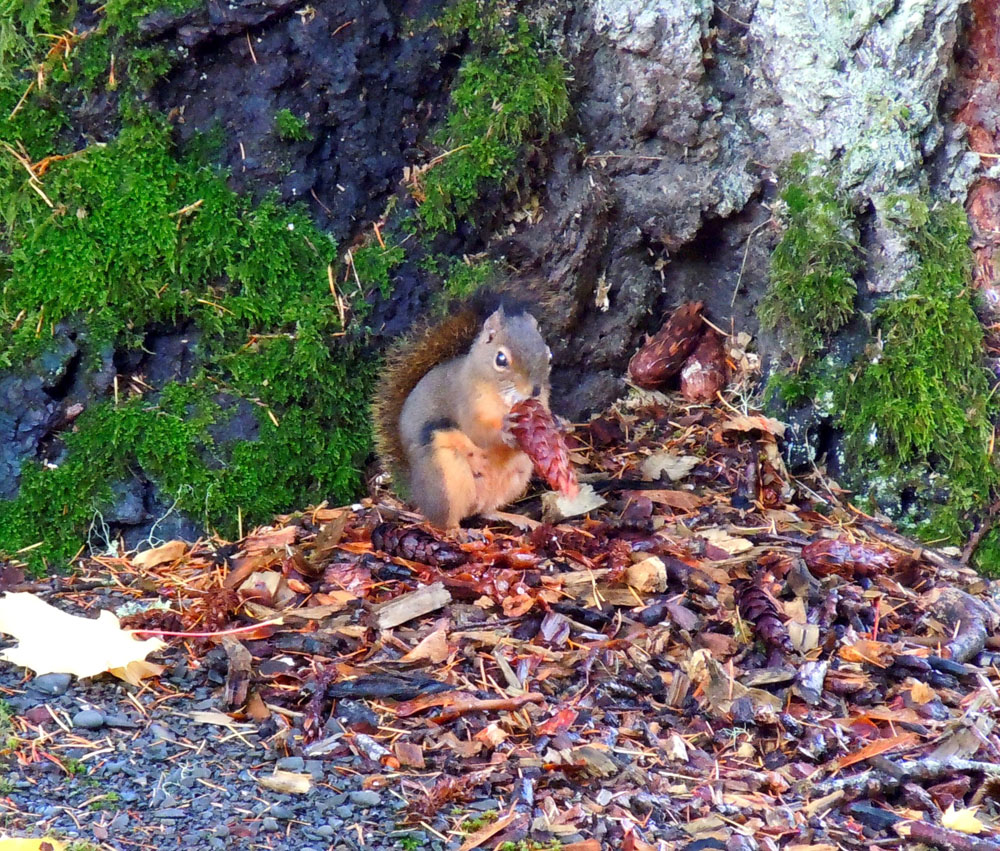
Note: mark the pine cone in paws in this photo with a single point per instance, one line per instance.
(536, 432)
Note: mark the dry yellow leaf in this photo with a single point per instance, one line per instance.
(755, 423)
(170, 551)
(922, 693)
(52, 641)
(285, 782)
(876, 653)
(556, 506)
(31, 845)
(675, 466)
(724, 541)
(963, 820)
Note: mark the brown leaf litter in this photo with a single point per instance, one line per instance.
(719, 657)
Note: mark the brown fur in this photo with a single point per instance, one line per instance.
(406, 363)
(465, 479)
(440, 409)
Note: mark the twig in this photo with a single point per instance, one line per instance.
(502, 704)
(895, 772)
(931, 834)
(974, 540)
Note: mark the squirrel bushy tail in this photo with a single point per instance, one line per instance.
(412, 357)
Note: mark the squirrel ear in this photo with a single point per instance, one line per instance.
(492, 325)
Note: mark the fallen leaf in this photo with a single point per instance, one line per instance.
(433, 647)
(287, 782)
(675, 466)
(681, 500)
(922, 693)
(492, 735)
(170, 551)
(876, 653)
(755, 423)
(963, 820)
(724, 541)
(878, 747)
(409, 754)
(31, 845)
(556, 506)
(53, 641)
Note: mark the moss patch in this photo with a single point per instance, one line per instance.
(137, 238)
(290, 127)
(812, 290)
(916, 410)
(510, 95)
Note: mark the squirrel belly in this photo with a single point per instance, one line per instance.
(457, 460)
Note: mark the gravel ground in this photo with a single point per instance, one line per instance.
(137, 770)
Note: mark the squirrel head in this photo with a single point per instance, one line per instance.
(510, 354)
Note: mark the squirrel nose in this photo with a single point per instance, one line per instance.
(536, 390)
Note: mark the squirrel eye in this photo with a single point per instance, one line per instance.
(502, 361)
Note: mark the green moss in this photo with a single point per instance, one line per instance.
(290, 127)
(460, 277)
(374, 263)
(812, 290)
(21, 25)
(987, 555)
(916, 410)
(137, 237)
(509, 96)
(124, 15)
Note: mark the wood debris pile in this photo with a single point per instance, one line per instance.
(719, 656)
(723, 654)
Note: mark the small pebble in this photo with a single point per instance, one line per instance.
(290, 763)
(53, 684)
(270, 825)
(366, 798)
(171, 813)
(89, 719)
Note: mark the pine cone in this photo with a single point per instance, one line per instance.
(705, 371)
(758, 609)
(827, 556)
(536, 432)
(415, 544)
(663, 354)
